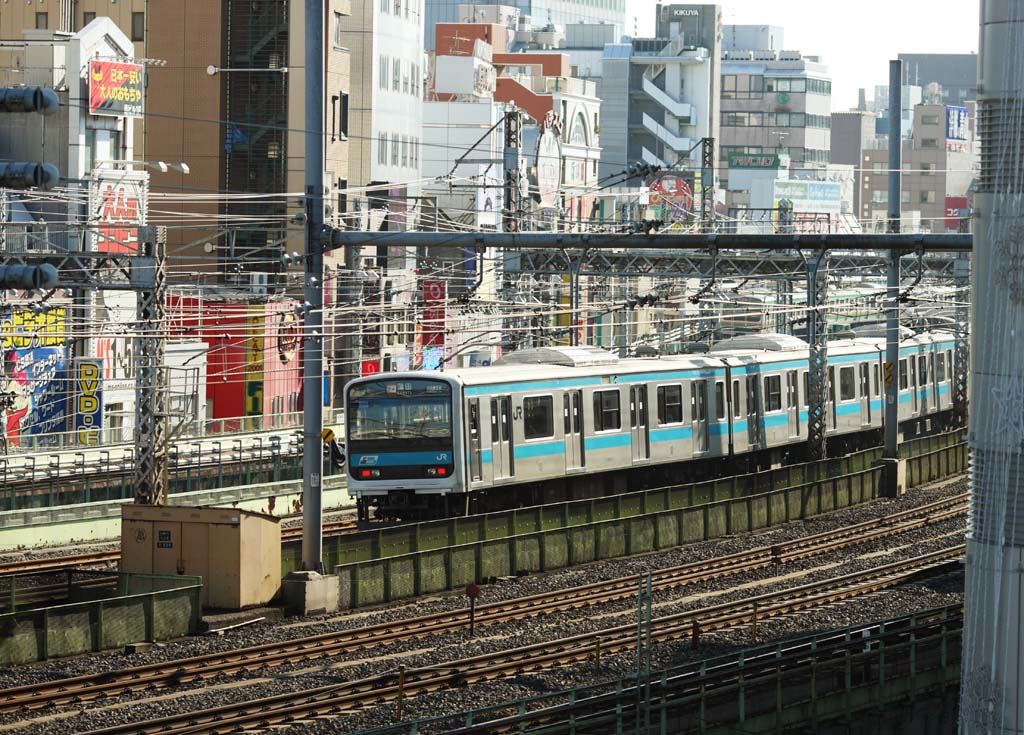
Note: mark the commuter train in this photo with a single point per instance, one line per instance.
(554, 423)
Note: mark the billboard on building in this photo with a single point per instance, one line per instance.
(254, 346)
(954, 206)
(672, 198)
(118, 201)
(958, 131)
(115, 88)
(549, 169)
(87, 385)
(34, 380)
(435, 297)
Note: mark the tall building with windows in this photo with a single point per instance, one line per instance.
(956, 74)
(777, 102)
(386, 113)
(541, 12)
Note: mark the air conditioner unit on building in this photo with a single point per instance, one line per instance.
(258, 283)
(790, 56)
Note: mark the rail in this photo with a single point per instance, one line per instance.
(429, 626)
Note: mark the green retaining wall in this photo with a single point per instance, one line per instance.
(148, 608)
(566, 534)
(418, 537)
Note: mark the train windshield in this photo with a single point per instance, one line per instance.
(413, 410)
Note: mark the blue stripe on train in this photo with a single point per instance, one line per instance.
(545, 449)
(610, 441)
(676, 433)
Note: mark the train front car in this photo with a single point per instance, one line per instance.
(402, 442)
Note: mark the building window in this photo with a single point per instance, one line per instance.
(342, 190)
(405, 83)
(880, 197)
(927, 169)
(337, 30)
(42, 21)
(384, 67)
(905, 196)
(405, 151)
(396, 79)
(398, 8)
(384, 6)
(138, 26)
(538, 417)
(929, 143)
(929, 119)
(382, 149)
(343, 120)
(395, 145)
(88, 18)
(606, 410)
(927, 197)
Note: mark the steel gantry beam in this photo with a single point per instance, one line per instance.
(90, 271)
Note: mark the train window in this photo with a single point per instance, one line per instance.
(847, 384)
(606, 411)
(807, 388)
(904, 375)
(875, 378)
(940, 368)
(538, 417)
(922, 370)
(949, 361)
(773, 393)
(736, 410)
(670, 404)
(719, 400)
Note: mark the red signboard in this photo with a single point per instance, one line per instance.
(953, 207)
(115, 89)
(435, 296)
(117, 207)
(370, 367)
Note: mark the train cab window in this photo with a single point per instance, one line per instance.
(538, 417)
(670, 404)
(904, 375)
(606, 411)
(773, 393)
(719, 400)
(847, 384)
(737, 411)
(940, 368)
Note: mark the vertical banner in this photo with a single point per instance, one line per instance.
(254, 343)
(435, 298)
(88, 397)
(34, 377)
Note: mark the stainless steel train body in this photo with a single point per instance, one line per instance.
(582, 411)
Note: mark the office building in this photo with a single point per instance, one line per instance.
(955, 74)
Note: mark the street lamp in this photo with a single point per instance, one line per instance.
(214, 70)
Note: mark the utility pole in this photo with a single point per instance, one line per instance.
(513, 142)
(817, 364)
(890, 371)
(313, 338)
(707, 184)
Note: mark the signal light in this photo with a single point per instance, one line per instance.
(29, 99)
(28, 175)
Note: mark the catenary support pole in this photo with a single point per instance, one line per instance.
(991, 690)
(149, 274)
(892, 321)
(312, 344)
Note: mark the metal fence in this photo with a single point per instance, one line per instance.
(55, 614)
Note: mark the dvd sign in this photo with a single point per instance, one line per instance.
(88, 401)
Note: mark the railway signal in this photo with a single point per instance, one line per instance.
(18, 174)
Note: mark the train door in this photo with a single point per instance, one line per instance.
(572, 407)
(699, 415)
(502, 457)
(922, 375)
(914, 397)
(936, 405)
(793, 402)
(638, 422)
(753, 420)
(831, 397)
(865, 393)
(475, 442)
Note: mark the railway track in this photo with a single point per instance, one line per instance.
(83, 688)
(352, 696)
(106, 559)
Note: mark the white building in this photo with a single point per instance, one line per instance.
(386, 117)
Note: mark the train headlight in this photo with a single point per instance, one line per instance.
(368, 474)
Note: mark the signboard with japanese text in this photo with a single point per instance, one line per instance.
(672, 198)
(34, 376)
(958, 131)
(88, 400)
(115, 88)
(254, 346)
(369, 367)
(118, 201)
(435, 297)
(752, 160)
(954, 207)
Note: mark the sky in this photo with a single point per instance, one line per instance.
(855, 39)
